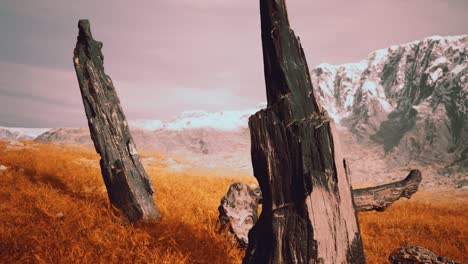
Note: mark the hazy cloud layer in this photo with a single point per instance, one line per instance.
(166, 56)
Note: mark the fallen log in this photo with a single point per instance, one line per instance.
(128, 186)
(308, 214)
(417, 255)
(238, 209)
(378, 198)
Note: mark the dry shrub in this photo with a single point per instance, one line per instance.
(45, 180)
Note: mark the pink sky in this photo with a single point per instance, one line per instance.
(167, 56)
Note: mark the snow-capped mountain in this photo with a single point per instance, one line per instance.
(412, 98)
(224, 120)
(17, 133)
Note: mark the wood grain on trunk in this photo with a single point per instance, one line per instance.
(128, 185)
(308, 214)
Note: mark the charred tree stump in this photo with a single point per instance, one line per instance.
(128, 185)
(380, 197)
(417, 255)
(308, 214)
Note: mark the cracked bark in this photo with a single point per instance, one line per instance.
(128, 186)
(308, 214)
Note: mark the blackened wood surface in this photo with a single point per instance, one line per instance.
(128, 185)
(308, 214)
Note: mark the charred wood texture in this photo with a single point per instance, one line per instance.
(417, 255)
(308, 214)
(380, 197)
(128, 185)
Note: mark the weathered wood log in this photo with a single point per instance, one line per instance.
(417, 255)
(238, 209)
(380, 197)
(128, 185)
(308, 214)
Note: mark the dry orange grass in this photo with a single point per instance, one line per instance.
(437, 221)
(44, 180)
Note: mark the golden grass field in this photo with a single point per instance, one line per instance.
(44, 180)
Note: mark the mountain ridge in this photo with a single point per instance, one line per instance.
(411, 98)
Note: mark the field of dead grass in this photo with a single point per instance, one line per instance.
(45, 180)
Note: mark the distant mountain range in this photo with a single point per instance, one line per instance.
(411, 98)
(14, 133)
(225, 120)
(404, 106)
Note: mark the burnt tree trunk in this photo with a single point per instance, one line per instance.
(380, 197)
(128, 185)
(308, 214)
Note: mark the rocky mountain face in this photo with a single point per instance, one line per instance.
(411, 98)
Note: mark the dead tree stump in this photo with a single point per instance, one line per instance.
(308, 214)
(128, 185)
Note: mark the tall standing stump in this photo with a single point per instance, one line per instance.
(308, 214)
(128, 185)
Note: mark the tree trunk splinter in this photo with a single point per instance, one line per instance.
(128, 186)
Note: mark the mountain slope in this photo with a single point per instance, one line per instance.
(411, 98)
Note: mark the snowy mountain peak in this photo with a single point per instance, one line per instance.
(350, 92)
(412, 98)
(224, 120)
(19, 133)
